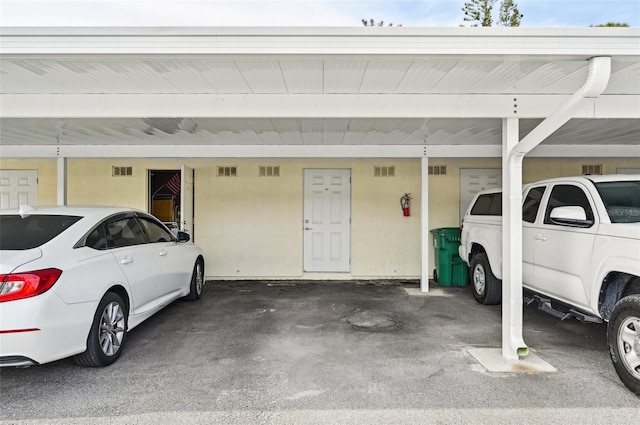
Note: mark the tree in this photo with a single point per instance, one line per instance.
(510, 16)
(613, 24)
(373, 23)
(479, 12)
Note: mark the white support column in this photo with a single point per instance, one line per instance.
(424, 223)
(513, 345)
(62, 181)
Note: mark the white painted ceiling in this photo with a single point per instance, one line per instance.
(256, 74)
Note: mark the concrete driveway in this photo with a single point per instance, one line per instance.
(327, 353)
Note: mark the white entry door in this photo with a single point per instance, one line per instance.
(186, 200)
(327, 220)
(473, 180)
(18, 187)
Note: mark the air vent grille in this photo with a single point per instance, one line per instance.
(592, 169)
(121, 171)
(269, 171)
(227, 171)
(384, 171)
(437, 170)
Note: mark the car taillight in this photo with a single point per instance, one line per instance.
(15, 286)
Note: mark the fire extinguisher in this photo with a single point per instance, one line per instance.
(405, 203)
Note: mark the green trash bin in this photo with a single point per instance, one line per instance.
(450, 269)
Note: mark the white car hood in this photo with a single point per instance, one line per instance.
(10, 260)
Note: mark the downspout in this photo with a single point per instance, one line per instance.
(598, 76)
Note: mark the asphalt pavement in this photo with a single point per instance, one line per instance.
(328, 352)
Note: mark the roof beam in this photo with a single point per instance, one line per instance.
(308, 106)
(307, 151)
(320, 40)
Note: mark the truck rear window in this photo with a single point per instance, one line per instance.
(488, 204)
(17, 233)
(622, 200)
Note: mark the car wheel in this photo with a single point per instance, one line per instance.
(108, 332)
(487, 289)
(623, 337)
(197, 281)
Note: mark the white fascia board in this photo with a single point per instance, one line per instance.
(321, 40)
(308, 151)
(307, 106)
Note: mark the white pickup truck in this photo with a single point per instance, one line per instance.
(580, 252)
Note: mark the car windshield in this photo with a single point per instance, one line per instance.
(622, 200)
(17, 233)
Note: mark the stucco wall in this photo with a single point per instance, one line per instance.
(47, 176)
(251, 226)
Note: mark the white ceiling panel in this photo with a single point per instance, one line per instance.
(383, 76)
(303, 75)
(423, 75)
(263, 76)
(343, 75)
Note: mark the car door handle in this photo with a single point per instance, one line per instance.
(162, 253)
(540, 237)
(126, 260)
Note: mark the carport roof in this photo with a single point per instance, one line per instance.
(390, 91)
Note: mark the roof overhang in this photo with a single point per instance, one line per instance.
(396, 91)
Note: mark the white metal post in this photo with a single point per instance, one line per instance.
(513, 345)
(424, 223)
(62, 182)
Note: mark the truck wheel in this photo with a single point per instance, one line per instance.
(623, 337)
(487, 289)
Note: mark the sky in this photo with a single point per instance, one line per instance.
(408, 13)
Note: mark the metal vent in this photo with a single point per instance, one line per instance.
(437, 170)
(269, 171)
(384, 171)
(592, 169)
(121, 171)
(227, 171)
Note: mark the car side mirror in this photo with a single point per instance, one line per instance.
(183, 236)
(571, 216)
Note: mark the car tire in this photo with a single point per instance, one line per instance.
(197, 281)
(108, 333)
(623, 338)
(487, 289)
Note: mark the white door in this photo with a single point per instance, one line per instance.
(327, 220)
(473, 180)
(18, 187)
(186, 200)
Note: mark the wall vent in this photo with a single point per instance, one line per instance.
(227, 171)
(592, 169)
(437, 170)
(269, 171)
(121, 171)
(384, 171)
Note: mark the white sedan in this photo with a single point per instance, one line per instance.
(74, 280)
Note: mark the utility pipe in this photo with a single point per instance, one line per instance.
(513, 345)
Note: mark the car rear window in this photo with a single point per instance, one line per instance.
(17, 233)
(488, 204)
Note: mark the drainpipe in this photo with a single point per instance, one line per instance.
(513, 345)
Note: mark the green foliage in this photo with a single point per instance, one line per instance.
(373, 23)
(613, 24)
(510, 16)
(479, 13)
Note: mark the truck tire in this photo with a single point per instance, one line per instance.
(487, 289)
(623, 338)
